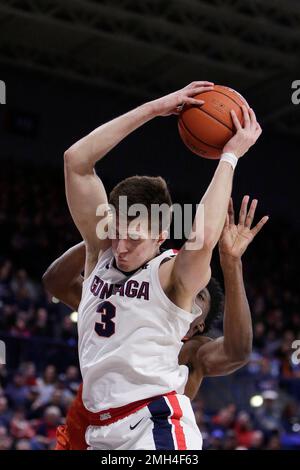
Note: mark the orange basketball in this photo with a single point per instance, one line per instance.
(206, 129)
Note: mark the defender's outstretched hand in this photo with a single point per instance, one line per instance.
(235, 239)
(173, 103)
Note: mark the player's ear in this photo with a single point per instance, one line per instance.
(202, 326)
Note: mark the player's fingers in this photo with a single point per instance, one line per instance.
(253, 121)
(246, 117)
(231, 212)
(258, 130)
(199, 83)
(259, 225)
(194, 101)
(198, 90)
(243, 210)
(235, 120)
(251, 213)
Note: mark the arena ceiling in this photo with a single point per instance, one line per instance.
(149, 47)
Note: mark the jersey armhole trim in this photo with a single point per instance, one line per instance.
(168, 304)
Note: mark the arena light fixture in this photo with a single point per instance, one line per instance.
(256, 401)
(74, 317)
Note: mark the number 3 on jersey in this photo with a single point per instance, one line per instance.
(106, 327)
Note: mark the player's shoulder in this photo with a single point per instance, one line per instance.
(197, 341)
(189, 353)
(202, 339)
(194, 343)
(191, 345)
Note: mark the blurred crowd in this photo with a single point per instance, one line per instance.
(258, 407)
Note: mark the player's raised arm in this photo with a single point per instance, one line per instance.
(230, 352)
(84, 189)
(63, 278)
(191, 270)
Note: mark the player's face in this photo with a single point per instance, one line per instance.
(132, 246)
(197, 326)
(203, 300)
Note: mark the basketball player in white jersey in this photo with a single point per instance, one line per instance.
(135, 308)
(203, 356)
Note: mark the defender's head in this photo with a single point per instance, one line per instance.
(142, 207)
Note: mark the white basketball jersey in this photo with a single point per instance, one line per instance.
(129, 336)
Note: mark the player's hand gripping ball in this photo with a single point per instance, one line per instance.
(206, 129)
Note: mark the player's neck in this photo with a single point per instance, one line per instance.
(130, 273)
(126, 273)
